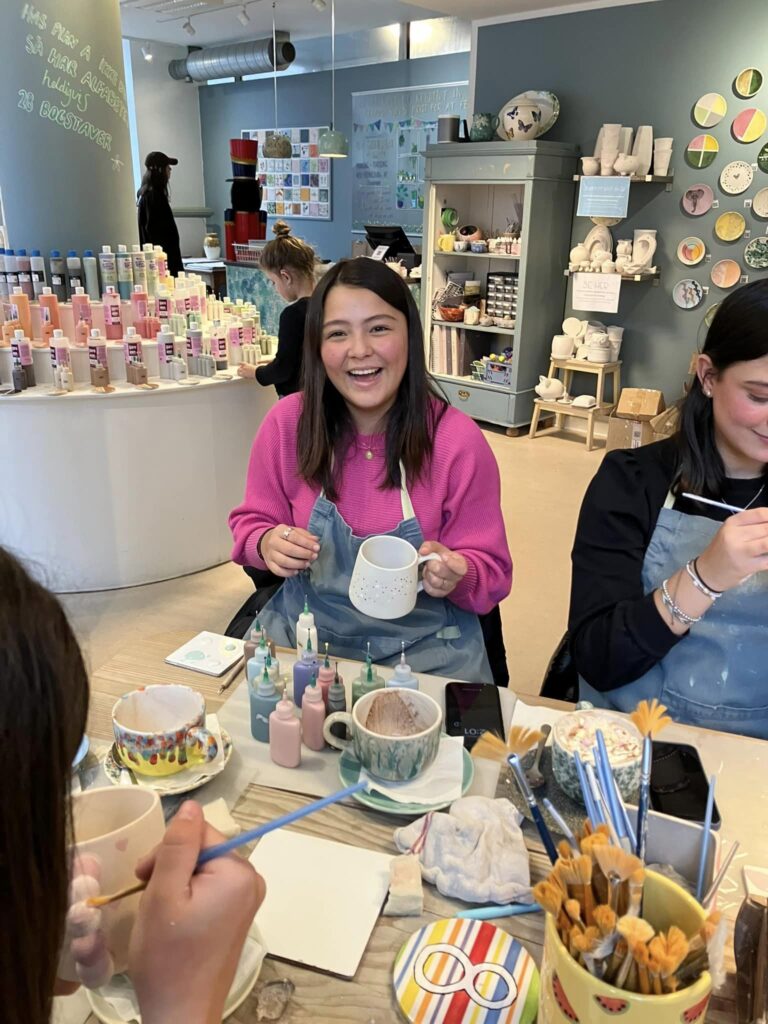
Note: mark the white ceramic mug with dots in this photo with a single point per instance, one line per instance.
(385, 581)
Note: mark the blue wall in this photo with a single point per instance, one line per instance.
(304, 100)
(644, 64)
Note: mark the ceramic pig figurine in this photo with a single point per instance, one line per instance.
(549, 388)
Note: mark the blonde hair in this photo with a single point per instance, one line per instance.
(285, 252)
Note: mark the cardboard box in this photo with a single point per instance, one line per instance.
(624, 433)
(639, 404)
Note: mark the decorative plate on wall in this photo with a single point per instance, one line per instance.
(725, 273)
(710, 109)
(762, 158)
(691, 251)
(756, 253)
(698, 199)
(709, 316)
(736, 177)
(760, 203)
(687, 294)
(748, 82)
(702, 150)
(730, 226)
(748, 125)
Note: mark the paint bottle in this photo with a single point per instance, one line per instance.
(325, 676)
(139, 309)
(21, 352)
(219, 341)
(25, 273)
(74, 272)
(82, 314)
(58, 275)
(91, 271)
(303, 671)
(139, 268)
(165, 355)
(61, 363)
(18, 377)
(132, 350)
(305, 630)
(367, 681)
(161, 261)
(264, 699)
(113, 320)
(20, 310)
(337, 701)
(11, 270)
(272, 666)
(255, 664)
(249, 648)
(3, 278)
(97, 359)
(194, 346)
(403, 676)
(124, 272)
(108, 268)
(150, 261)
(37, 273)
(163, 304)
(313, 716)
(285, 735)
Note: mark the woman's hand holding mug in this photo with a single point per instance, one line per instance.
(287, 550)
(738, 550)
(443, 576)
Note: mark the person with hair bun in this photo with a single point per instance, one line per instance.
(669, 596)
(289, 263)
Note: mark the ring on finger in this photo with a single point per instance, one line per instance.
(287, 532)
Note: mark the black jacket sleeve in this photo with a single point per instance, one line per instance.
(284, 372)
(158, 226)
(616, 631)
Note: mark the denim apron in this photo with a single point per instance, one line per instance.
(439, 637)
(715, 676)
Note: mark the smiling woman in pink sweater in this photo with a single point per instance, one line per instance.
(370, 448)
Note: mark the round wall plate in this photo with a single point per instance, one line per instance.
(702, 150)
(762, 159)
(709, 316)
(760, 203)
(710, 109)
(748, 125)
(756, 253)
(725, 274)
(748, 82)
(736, 177)
(698, 199)
(688, 294)
(691, 251)
(730, 226)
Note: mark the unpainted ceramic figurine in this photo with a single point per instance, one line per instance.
(549, 388)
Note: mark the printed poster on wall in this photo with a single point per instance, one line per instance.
(603, 197)
(299, 186)
(390, 131)
(596, 293)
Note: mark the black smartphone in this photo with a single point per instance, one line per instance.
(472, 709)
(679, 785)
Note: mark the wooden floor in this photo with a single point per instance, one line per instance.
(543, 482)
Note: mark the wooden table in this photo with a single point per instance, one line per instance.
(368, 997)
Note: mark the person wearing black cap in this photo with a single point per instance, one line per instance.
(156, 223)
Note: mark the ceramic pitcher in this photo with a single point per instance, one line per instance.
(483, 127)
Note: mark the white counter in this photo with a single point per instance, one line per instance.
(106, 491)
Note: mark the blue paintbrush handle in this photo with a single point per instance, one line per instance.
(287, 819)
(705, 838)
(588, 801)
(561, 824)
(604, 765)
(489, 913)
(549, 845)
(643, 802)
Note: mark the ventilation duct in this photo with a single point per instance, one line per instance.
(234, 60)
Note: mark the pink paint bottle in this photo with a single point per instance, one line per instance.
(20, 309)
(139, 305)
(49, 308)
(132, 349)
(113, 320)
(313, 717)
(285, 735)
(83, 316)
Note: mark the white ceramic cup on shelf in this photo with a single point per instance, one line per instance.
(385, 580)
(661, 161)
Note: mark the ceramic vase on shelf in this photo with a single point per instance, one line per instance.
(590, 165)
(607, 160)
(625, 139)
(212, 246)
(662, 155)
(643, 148)
(611, 136)
(563, 346)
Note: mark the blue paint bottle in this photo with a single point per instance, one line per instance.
(403, 676)
(264, 700)
(255, 665)
(303, 671)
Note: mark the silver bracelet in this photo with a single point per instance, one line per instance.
(699, 583)
(678, 613)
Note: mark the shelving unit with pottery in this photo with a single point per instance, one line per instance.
(522, 192)
(585, 346)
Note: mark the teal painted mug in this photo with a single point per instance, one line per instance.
(393, 758)
(483, 127)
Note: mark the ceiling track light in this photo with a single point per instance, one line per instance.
(189, 28)
(146, 52)
(243, 17)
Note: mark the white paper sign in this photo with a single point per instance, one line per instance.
(596, 293)
(379, 252)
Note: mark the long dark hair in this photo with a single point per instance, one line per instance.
(43, 708)
(325, 426)
(739, 333)
(154, 180)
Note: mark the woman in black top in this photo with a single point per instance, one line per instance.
(156, 223)
(669, 596)
(289, 263)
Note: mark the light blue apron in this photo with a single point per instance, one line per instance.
(717, 675)
(439, 637)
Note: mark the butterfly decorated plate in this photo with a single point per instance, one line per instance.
(520, 120)
(550, 109)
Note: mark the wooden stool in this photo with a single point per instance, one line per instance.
(600, 410)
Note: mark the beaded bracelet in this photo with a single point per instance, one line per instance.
(698, 582)
(678, 613)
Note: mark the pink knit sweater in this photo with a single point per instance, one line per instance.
(458, 504)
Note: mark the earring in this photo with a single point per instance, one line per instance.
(708, 393)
